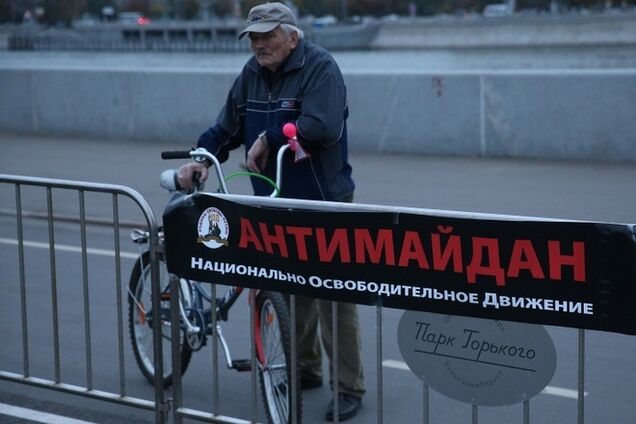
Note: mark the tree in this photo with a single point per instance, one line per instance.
(62, 11)
(94, 7)
(369, 7)
(189, 9)
(141, 6)
(6, 12)
(223, 8)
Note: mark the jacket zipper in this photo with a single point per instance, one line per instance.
(269, 102)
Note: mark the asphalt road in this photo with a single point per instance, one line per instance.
(585, 191)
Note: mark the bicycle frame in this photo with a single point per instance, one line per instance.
(191, 320)
(224, 303)
(223, 306)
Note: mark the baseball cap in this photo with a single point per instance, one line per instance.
(266, 17)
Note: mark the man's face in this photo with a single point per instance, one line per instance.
(272, 48)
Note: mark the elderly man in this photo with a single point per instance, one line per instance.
(291, 80)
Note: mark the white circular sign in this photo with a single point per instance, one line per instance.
(477, 361)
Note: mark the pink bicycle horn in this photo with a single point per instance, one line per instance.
(289, 130)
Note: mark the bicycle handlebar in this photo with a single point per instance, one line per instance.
(176, 154)
(201, 155)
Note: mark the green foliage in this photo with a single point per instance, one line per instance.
(189, 9)
(94, 7)
(223, 7)
(5, 11)
(246, 5)
(156, 11)
(320, 8)
(64, 11)
(141, 6)
(370, 7)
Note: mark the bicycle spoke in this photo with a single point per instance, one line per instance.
(275, 373)
(274, 343)
(279, 388)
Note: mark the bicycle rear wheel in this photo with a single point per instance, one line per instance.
(141, 317)
(275, 372)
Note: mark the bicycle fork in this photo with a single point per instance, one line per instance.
(190, 329)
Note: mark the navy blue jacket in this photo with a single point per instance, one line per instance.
(309, 91)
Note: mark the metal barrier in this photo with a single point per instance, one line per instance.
(161, 405)
(293, 204)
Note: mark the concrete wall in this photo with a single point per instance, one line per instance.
(509, 31)
(560, 114)
(546, 114)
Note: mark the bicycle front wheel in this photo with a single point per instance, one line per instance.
(141, 318)
(275, 369)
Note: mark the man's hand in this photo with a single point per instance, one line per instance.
(257, 156)
(185, 175)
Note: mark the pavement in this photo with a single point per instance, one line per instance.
(594, 191)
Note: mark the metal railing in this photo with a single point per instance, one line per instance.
(179, 38)
(159, 405)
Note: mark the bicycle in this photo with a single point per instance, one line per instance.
(271, 318)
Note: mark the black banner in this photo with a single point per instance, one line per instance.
(572, 274)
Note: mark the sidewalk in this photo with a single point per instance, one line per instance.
(567, 190)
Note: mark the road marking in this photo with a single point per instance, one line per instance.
(549, 390)
(398, 365)
(560, 391)
(37, 416)
(67, 248)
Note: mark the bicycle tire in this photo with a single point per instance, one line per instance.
(275, 373)
(140, 329)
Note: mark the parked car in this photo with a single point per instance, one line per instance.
(495, 10)
(133, 18)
